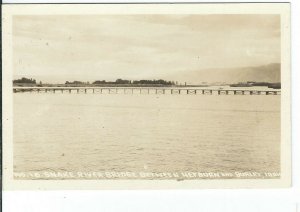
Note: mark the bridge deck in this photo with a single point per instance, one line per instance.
(147, 90)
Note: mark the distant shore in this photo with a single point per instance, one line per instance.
(240, 85)
(102, 85)
(26, 82)
(253, 84)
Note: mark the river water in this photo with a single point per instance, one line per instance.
(146, 133)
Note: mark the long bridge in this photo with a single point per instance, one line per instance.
(147, 90)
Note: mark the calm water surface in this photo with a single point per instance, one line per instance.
(154, 133)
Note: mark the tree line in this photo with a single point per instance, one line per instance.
(101, 82)
(25, 80)
(122, 81)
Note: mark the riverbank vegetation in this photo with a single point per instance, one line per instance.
(260, 84)
(25, 80)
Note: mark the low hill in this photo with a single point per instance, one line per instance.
(266, 73)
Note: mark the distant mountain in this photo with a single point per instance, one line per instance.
(266, 73)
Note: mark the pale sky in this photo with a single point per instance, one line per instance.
(89, 47)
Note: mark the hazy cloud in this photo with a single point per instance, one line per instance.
(141, 46)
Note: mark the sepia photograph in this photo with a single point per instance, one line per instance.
(181, 93)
